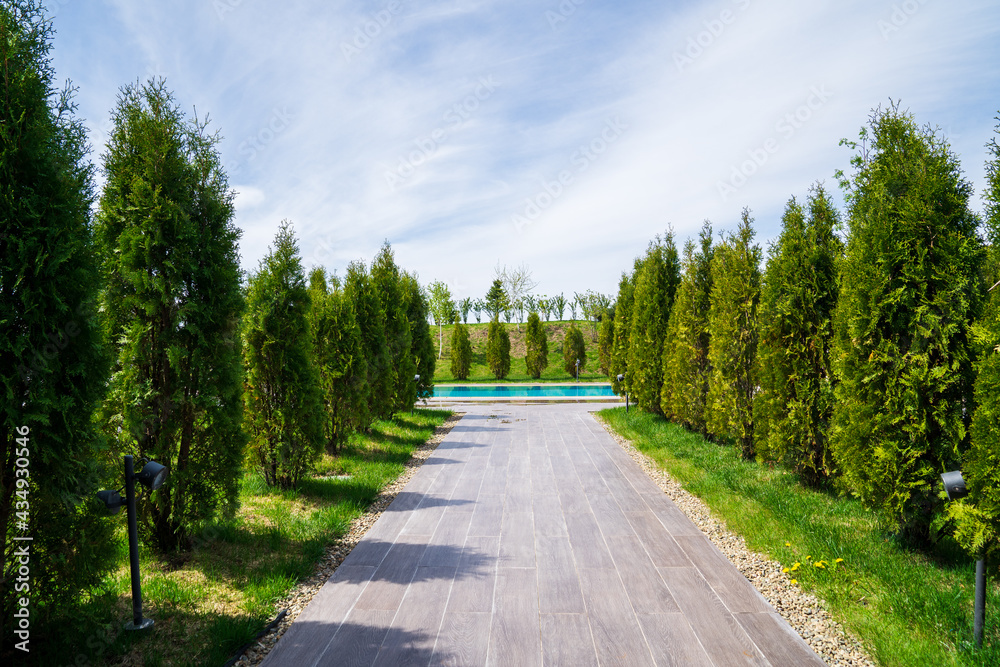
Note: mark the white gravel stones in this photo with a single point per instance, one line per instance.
(803, 612)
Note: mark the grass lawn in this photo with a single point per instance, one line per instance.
(907, 608)
(208, 603)
(554, 372)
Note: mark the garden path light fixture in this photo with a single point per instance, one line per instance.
(416, 380)
(621, 380)
(577, 370)
(152, 477)
(954, 487)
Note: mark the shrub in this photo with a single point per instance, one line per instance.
(498, 350)
(461, 352)
(573, 349)
(537, 347)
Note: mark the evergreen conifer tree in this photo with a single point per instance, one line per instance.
(368, 310)
(461, 352)
(54, 362)
(606, 341)
(793, 408)
(623, 321)
(496, 301)
(574, 349)
(284, 403)
(172, 303)
(902, 345)
(732, 328)
(536, 347)
(655, 285)
(402, 369)
(422, 350)
(498, 350)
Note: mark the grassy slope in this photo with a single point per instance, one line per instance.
(907, 608)
(554, 372)
(208, 603)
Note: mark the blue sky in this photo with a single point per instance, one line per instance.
(559, 134)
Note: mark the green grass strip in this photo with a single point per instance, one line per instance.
(907, 608)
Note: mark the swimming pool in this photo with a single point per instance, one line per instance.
(521, 391)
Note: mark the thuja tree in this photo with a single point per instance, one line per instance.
(283, 398)
(732, 329)
(606, 340)
(574, 350)
(793, 408)
(655, 285)
(461, 352)
(977, 517)
(623, 321)
(902, 344)
(498, 350)
(536, 346)
(387, 280)
(172, 302)
(422, 347)
(685, 356)
(496, 301)
(340, 361)
(368, 311)
(53, 364)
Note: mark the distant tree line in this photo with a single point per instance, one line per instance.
(862, 355)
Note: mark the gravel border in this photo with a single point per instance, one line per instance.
(293, 603)
(804, 612)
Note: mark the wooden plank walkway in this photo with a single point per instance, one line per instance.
(528, 538)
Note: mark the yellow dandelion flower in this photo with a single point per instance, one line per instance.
(795, 581)
(839, 560)
(796, 566)
(785, 570)
(788, 544)
(820, 564)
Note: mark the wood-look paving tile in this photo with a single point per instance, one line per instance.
(573, 499)
(645, 588)
(779, 643)
(719, 632)
(394, 574)
(589, 548)
(514, 634)
(566, 640)
(548, 514)
(425, 518)
(672, 641)
(494, 481)
(738, 594)
(609, 516)
(674, 520)
(517, 540)
(615, 628)
(413, 631)
(357, 641)
(487, 517)
(445, 546)
(625, 493)
(559, 591)
(472, 589)
(463, 640)
(663, 549)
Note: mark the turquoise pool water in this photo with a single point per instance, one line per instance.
(522, 391)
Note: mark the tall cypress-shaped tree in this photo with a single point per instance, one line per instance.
(978, 516)
(655, 286)
(908, 294)
(360, 291)
(498, 350)
(685, 356)
(606, 341)
(574, 349)
(283, 398)
(623, 321)
(732, 328)
(461, 352)
(387, 280)
(53, 363)
(339, 360)
(792, 411)
(422, 348)
(536, 346)
(172, 303)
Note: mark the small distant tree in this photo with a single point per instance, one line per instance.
(441, 308)
(517, 281)
(573, 304)
(558, 305)
(498, 350)
(496, 300)
(544, 306)
(732, 327)
(461, 352)
(283, 400)
(574, 349)
(464, 306)
(536, 346)
(477, 309)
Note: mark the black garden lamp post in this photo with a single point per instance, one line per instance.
(577, 370)
(954, 486)
(151, 476)
(621, 379)
(416, 381)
